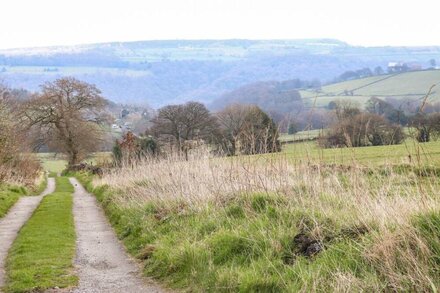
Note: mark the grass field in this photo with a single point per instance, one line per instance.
(410, 152)
(300, 135)
(291, 222)
(52, 163)
(413, 84)
(56, 163)
(41, 258)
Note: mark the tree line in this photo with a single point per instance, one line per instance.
(71, 117)
(237, 129)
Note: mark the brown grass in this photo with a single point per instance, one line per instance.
(362, 193)
(382, 199)
(24, 169)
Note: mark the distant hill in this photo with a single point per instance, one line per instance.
(272, 96)
(402, 86)
(161, 72)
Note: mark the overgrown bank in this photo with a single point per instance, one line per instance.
(9, 194)
(270, 226)
(41, 256)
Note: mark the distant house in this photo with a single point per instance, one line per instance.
(396, 67)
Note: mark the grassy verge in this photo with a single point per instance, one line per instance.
(9, 196)
(374, 229)
(42, 255)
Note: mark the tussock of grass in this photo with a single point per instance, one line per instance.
(42, 255)
(230, 225)
(40, 186)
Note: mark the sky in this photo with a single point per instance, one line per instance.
(32, 23)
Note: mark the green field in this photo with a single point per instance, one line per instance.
(56, 163)
(300, 136)
(405, 85)
(52, 163)
(408, 152)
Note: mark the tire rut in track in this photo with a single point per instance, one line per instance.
(101, 261)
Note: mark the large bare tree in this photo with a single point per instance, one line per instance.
(246, 129)
(181, 124)
(232, 120)
(66, 115)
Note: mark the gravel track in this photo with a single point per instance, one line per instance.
(101, 261)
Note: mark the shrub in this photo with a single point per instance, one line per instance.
(247, 130)
(427, 126)
(132, 148)
(363, 129)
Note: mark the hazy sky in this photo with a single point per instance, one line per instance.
(25, 23)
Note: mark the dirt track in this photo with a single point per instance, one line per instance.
(101, 261)
(11, 224)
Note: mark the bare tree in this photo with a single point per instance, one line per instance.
(181, 124)
(12, 137)
(8, 145)
(247, 129)
(67, 114)
(426, 125)
(346, 109)
(363, 129)
(15, 163)
(232, 120)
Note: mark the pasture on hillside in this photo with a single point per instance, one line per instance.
(407, 153)
(414, 84)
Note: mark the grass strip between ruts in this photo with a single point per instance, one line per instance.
(42, 255)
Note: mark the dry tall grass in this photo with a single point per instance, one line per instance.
(22, 170)
(385, 200)
(382, 195)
